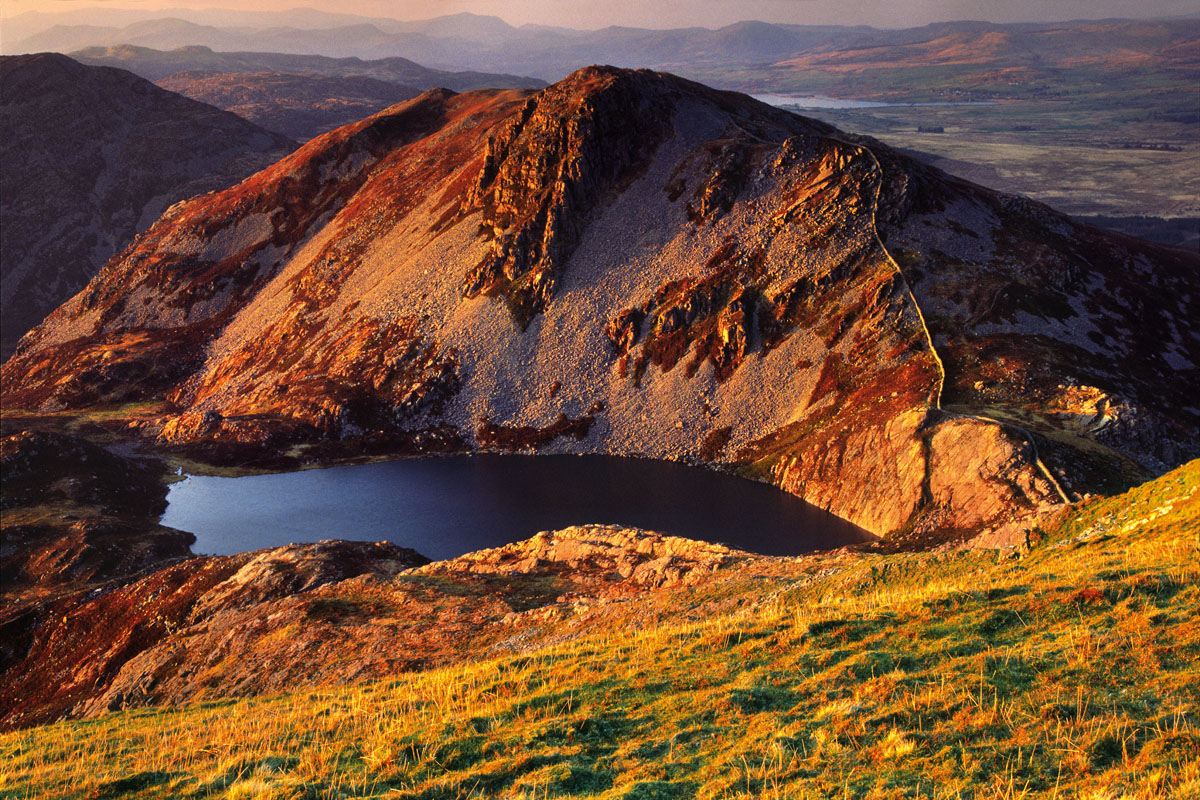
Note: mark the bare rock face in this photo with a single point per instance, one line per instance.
(297, 569)
(633, 264)
(90, 157)
(965, 454)
(645, 558)
(568, 148)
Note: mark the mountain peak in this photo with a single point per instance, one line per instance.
(631, 263)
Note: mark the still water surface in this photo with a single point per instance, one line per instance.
(444, 507)
(818, 101)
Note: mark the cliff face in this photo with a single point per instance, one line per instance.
(630, 263)
(90, 157)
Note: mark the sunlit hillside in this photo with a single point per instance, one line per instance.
(1070, 671)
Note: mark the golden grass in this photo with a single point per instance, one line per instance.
(1073, 672)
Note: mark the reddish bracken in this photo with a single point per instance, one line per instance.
(1088, 597)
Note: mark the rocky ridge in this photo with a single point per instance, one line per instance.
(634, 264)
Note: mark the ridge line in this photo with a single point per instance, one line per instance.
(941, 367)
(1037, 461)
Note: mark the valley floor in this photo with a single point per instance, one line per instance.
(1069, 669)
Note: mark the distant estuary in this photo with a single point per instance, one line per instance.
(444, 507)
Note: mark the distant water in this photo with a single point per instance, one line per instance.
(817, 101)
(444, 507)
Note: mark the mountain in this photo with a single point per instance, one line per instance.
(465, 25)
(166, 32)
(90, 157)
(158, 64)
(1107, 45)
(100, 23)
(297, 106)
(1000, 58)
(62, 38)
(630, 263)
(364, 39)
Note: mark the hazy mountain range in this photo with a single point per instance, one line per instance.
(157, 64)
(489, 44)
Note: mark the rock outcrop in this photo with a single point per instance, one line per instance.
(569, 148)
(111, 646)
(644, 558)
(630, 263)
(328, 613)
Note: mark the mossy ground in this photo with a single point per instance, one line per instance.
(1071, 672)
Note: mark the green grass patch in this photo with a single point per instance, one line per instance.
(1071, 672)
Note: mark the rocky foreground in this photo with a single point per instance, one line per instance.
(331, 613)
(104, 609)
(670, 669)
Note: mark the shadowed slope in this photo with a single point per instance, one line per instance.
(90, 157)
(300, 106)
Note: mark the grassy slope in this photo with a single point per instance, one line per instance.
(1071, 672)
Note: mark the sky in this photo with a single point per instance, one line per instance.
(680, 13)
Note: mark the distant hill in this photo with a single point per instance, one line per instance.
(21, 27)
(299, 106)
(158, 64)
(361, 39)
(90, 157)
(444, 41)
(1110, 44)
(739, 56)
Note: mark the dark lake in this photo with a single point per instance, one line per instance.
(444, 507)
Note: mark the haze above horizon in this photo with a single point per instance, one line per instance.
(581, 14)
